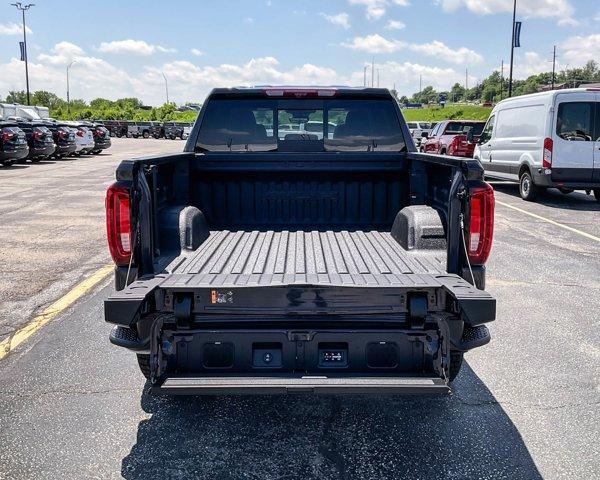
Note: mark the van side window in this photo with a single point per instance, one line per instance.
(574, 121)
(486, 135)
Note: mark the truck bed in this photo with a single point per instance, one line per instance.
(336, 258)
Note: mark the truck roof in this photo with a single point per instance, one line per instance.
(546, 95)
(306, 91)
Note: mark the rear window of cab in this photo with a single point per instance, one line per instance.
(270, 125)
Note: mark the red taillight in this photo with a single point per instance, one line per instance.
(118, 223)
(80, 133)
(547, 158)
(481, 224)
(6, 136)
(300, 92)
(62, 134)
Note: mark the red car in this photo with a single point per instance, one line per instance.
(450, 138)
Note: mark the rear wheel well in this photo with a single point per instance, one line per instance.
(524, 168)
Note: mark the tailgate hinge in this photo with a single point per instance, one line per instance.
(182, 308)
(417, 310)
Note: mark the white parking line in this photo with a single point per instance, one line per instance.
(539, 217)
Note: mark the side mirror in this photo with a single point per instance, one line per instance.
(470, 136)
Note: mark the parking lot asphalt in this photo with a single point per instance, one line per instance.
(525, 406)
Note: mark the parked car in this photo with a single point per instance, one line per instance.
(13, 143)
(174, 130)
(542, 140)
(101, 137)
(156, 130)
(449, 137)
(84, 138)
(64, 138)
(39, 139)
(296, 264)
(116, 128)
(419, 131)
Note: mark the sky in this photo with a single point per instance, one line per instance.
(123, 48)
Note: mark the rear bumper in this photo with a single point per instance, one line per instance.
(65, 149)
(103, 145)
(14, 154)
(42, 151)
(574, 178)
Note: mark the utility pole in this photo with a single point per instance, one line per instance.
(420, 87)
(23, 9)
(68, 91)
(512, 50)
(502, 80)
(166, 86)
(553, 66)
(365, 75)
(373, 72)
(466, 81)
(377, 78)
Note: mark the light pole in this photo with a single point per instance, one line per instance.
(512, 50)
(166, 86)
(23, 9)
(68, 92)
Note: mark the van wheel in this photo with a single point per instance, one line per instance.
(597, 194)
(528, 190)
(456, 360)
(144, 364)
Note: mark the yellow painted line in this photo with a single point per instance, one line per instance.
(539, 217)
(17, 338)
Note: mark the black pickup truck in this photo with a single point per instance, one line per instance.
(272, 260)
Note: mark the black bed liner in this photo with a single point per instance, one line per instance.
(343, 258)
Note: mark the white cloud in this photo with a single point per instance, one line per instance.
(579, 50)
(440, 50)
(196, 52)
(134, 47)
(13, 29)
(339, 19)
(395, 25)
(62, 53)
(562, 10)
(375, 9)
(375, 44)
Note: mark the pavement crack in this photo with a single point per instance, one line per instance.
(66, 391)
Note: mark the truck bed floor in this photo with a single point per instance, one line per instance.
(344, 258)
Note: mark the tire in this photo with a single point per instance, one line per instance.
(597, 194)
(456, 360)
(528, 190)
(146, 135)
(144, 364)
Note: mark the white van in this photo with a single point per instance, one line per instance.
(548, 139)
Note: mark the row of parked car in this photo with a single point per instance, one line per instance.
(34, 140)
(542, 140)
(130, 129)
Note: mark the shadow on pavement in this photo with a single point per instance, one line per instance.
(552, 197)
(467, 435)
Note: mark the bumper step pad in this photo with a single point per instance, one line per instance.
(474, 337)
(303, 384)
(128, 338)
